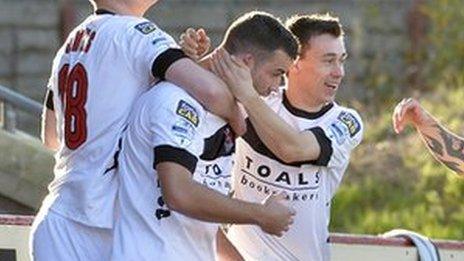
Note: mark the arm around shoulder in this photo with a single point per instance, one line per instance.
(207, 88)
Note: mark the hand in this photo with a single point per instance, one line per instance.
(409, 111)
(195, 43)
(235, 73)
(277, 217)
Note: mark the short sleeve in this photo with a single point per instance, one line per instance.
(175, 128)
(151, 49)
(51, 89)
(338, 138)
(48, 101)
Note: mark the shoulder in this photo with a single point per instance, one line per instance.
(346, 123)
(173, 98)
(143, 28)
(127, 27)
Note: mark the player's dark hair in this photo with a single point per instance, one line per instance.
(259, 33)
(304, 27)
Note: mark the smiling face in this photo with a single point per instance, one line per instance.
(267, 73)
(320, 69)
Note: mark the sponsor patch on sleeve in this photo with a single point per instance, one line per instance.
(350, 122)
(339, 132)
(183, 132)
(188, 112)
(146, 27)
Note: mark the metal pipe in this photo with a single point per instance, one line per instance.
(19, 101)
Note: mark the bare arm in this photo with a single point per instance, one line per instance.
(48, 129)
(210, 90)
(444, 145)
(287, 143)
(184, 195)
(196, 44)
(282, 139)
(225, 250)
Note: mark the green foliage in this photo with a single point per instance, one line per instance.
(397, 183)
(445, 53)
(393, 181)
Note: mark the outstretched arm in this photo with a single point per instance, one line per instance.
(445, 146)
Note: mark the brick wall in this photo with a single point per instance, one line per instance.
(377, 36)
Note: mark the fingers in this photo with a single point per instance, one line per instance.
(396, 119)
(398, 115)
(223, 65)
(188, 42)
(280, 232)
(192, 37)
(216, 65)
(227, 61)
(280, 196)
(238, 62)
(407, 111)
(203, 41)
(406, 104)
(202, 35)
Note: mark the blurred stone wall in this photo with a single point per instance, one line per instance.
(377, 35)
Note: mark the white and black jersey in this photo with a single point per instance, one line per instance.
(310, 185)
(105, 64)
(168, 125)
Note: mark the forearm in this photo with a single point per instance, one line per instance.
(281, 138)
(210, 90)
(225, 249)
(445, 146)
(205, 204)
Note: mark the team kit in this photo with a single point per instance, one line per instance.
(149, 166)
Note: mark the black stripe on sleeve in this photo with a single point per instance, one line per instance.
(164, 60)
(49, 100)
(166, 153)
(326, 147)
(254, 141)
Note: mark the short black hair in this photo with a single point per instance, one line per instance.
(304, 27)
(259, 33)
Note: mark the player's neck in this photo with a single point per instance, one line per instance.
(123, 8)
(300, 100)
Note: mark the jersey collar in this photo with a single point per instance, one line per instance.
(305, 114)
(103, 11)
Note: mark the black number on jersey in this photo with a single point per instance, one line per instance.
(214, 168)
(162, 211)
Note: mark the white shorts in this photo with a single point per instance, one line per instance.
(54, 237)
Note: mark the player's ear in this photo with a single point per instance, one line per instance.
(249, 60)
(296, 66)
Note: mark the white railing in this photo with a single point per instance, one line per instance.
(14, 237)
(11, 101)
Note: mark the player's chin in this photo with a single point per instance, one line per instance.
(329, 98)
